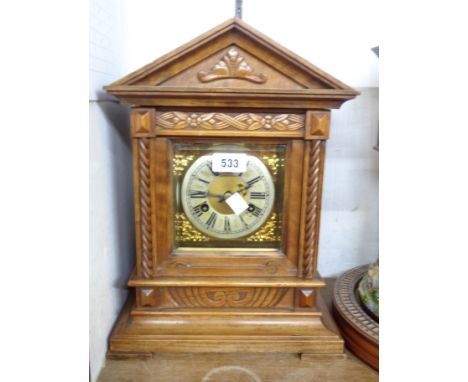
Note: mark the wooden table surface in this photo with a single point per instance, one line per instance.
(202, 367)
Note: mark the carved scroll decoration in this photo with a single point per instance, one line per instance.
(145, 207)
(228, 297)
(176, 120)
(312, 211)
(232, 65)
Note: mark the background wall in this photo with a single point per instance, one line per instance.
(111, 194)
(126, 34)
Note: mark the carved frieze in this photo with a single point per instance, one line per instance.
(176, 120)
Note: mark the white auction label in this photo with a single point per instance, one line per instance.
(229, 162)
(237, 203)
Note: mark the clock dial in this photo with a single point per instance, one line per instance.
(205, 193)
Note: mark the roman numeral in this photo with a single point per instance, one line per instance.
(257, 195)
(251, 182)
(256, 211)
(212, 220)
(227, 224)
(198, 210)
(209, 167)
(203, 180)
(199, 194)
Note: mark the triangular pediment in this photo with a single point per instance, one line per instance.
(232, 57)
(232, 67)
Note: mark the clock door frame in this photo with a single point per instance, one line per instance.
(152, 151)
(156, 255)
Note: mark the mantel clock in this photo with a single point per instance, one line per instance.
(228, 137)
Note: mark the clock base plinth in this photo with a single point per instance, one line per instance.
(304, 332)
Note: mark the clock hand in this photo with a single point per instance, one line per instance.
(226, 195)
(250, 184)
(243, 189)
(219, 196)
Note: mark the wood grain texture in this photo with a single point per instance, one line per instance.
(211, 282)
(226, 263)
(162, 195)
(245, 297)
(240, 297)
(292, 201)
(223, 331)
(193, 97)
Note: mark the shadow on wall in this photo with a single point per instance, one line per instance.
(350, 220)
(112, 222)
(118, 117)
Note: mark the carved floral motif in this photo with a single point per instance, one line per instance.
(232, 65)
(176, 120)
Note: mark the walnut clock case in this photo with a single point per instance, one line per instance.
(229, 137)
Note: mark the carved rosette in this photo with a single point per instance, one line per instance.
(226, 298)
(232, 65)
(176, 120)
(312, 210)
(144, 153)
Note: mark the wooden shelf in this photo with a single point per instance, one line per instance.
(226, 282)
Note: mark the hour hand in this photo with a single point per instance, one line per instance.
(219, 196)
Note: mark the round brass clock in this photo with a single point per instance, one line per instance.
(207, 198)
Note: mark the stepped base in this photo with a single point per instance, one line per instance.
(227, 331)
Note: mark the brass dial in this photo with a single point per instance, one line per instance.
(204, 195)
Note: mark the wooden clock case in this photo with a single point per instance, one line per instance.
(231, 84)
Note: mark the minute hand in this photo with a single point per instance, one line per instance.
(245, 188)
(219, 196)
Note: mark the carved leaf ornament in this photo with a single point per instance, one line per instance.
(232, 65)
(219, 121)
